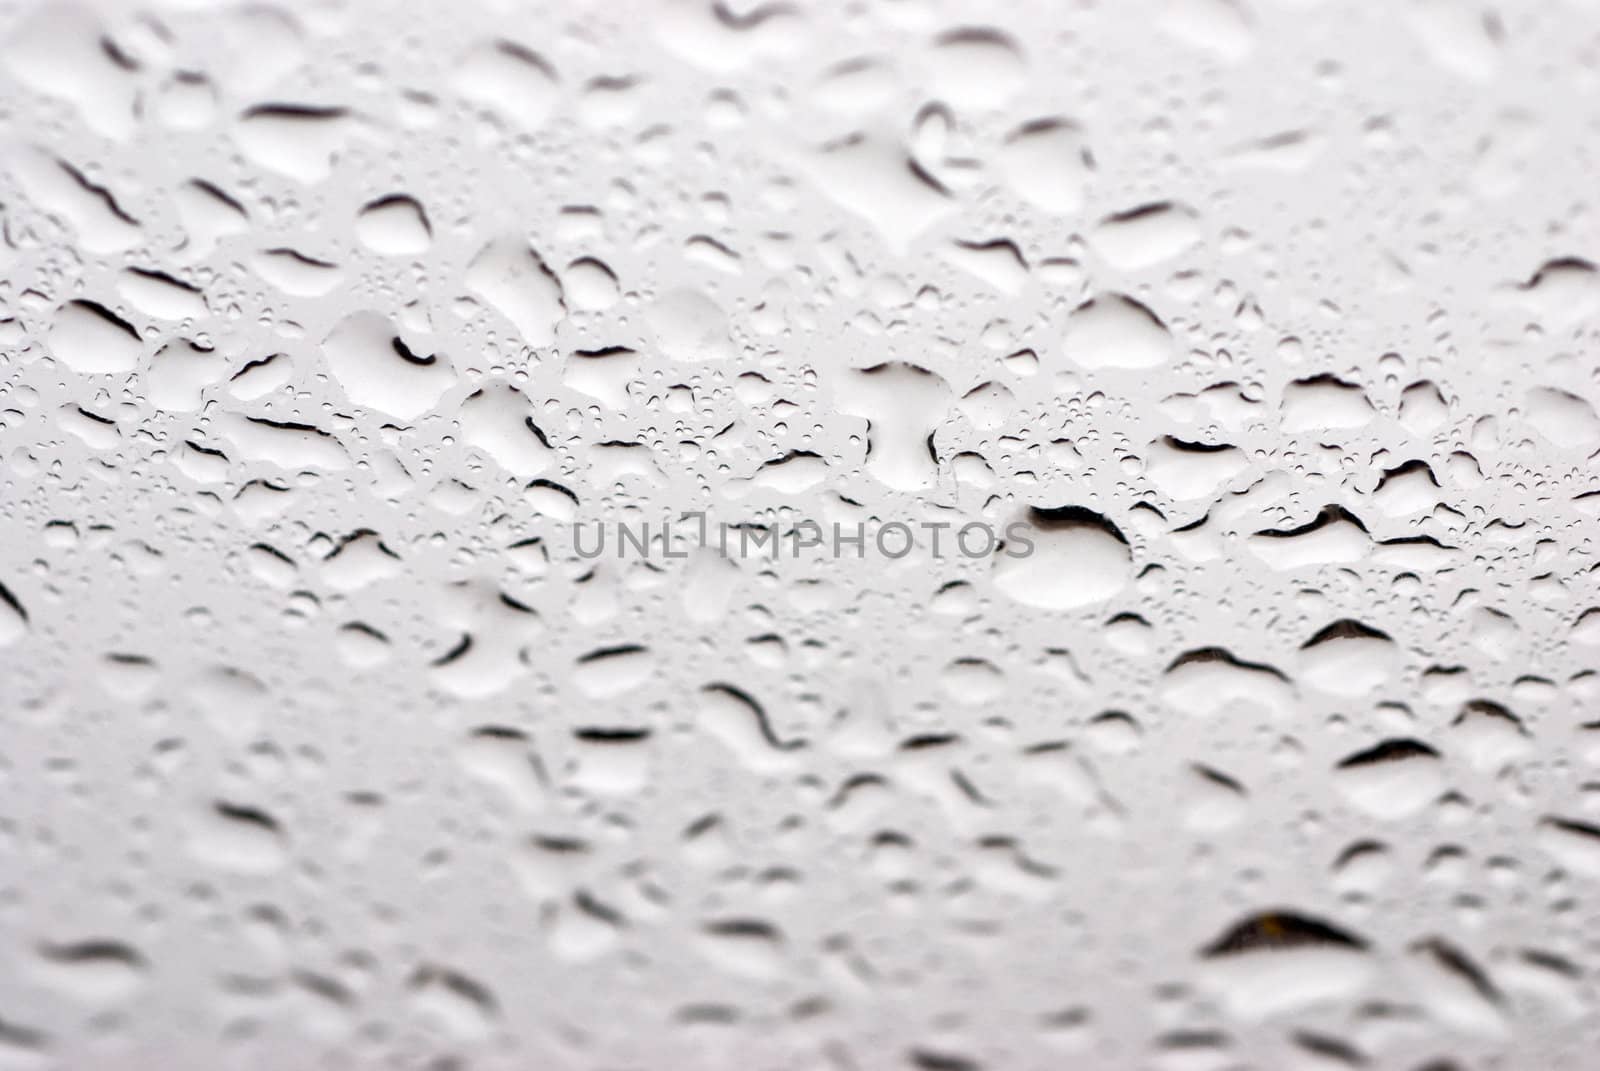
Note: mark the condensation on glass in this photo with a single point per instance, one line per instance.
(824, 536)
